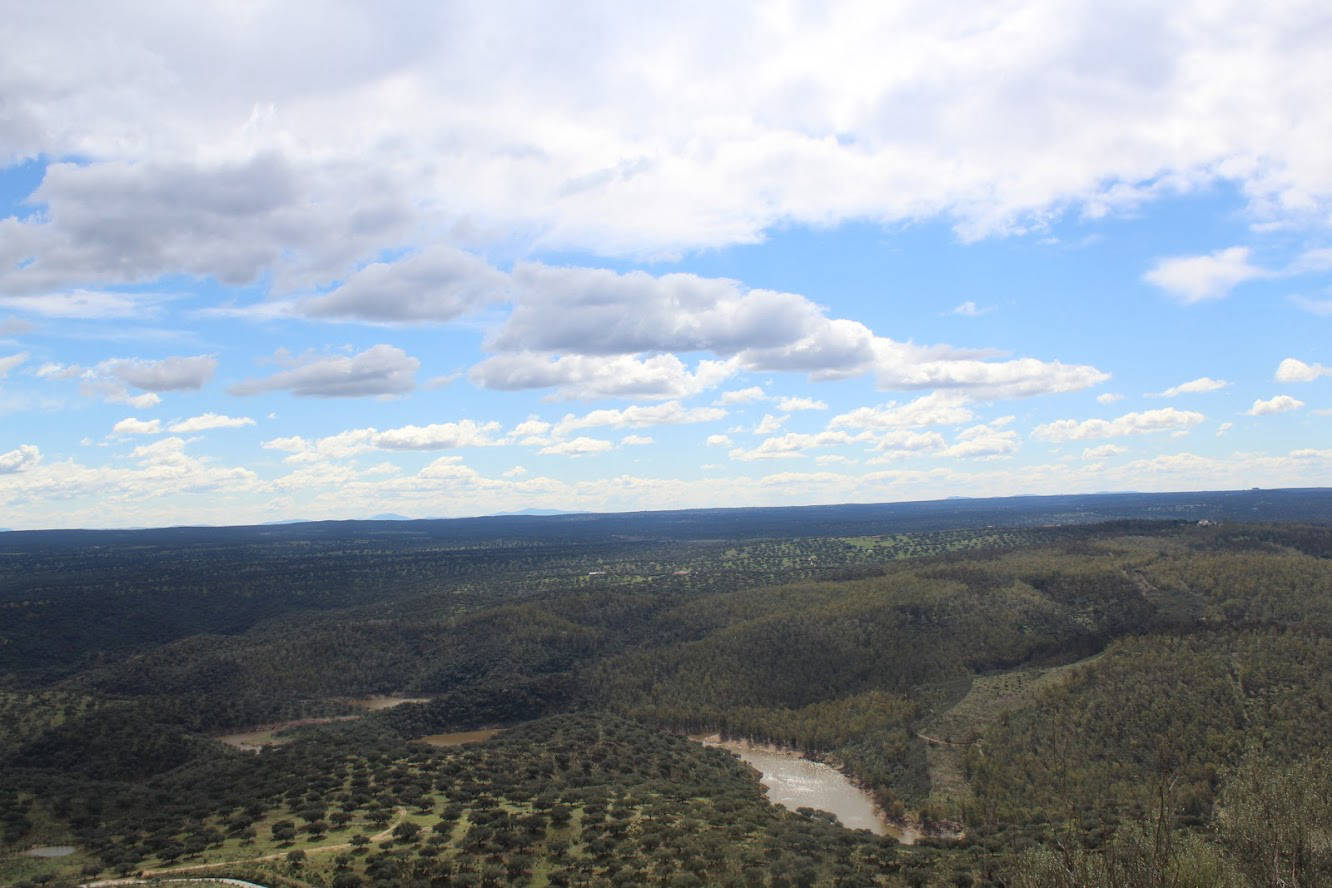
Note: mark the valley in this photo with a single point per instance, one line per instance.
(1106, 702)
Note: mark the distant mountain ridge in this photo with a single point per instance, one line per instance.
(1312, 505)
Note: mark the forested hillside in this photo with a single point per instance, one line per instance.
(1094, 704)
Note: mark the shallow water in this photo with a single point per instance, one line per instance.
(793, 781)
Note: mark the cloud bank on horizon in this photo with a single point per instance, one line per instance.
(332, 260)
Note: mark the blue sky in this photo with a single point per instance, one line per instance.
(447, 262)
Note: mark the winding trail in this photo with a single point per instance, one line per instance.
(158, 876)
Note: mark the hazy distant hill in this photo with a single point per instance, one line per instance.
(1296, 504)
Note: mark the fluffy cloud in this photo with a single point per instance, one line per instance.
(568, 145)
(1192, 387)
(205, 421)
(1308, 453)
(438, 436)
(580, 446)
(1109, 398)
(162, 452)
(1279, 404)
(1167, 419)
(53, 370)
(437, 284)
(1198, 278)
(66, 493)
(742, 396)
(133, 426)
(1295, 370)
(595, 311)
(118, 394)
(636, 440)
(230, 218)
(110, 380)
(793, 403)
(936, 408)
(333, 447)
(635, 416)
(25, 456)
(901, 443)
(167, 375)
(532, 430)
(567, 319)
(719, 441)
(769, 424)
(379, 370)
(1103, 451)
(794, 444)
(292, 444)
(902, 366)
(987, 441)
(584, 376)
(145, 492)
(830, 349)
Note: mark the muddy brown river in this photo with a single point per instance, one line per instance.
(793, 781)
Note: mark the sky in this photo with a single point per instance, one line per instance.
(265, 261)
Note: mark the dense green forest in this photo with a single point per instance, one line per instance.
(1034, 702)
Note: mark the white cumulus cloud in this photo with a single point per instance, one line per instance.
(133, 426)
(1295, 370)
(438, 436)
(1167, 419)
(793, 403)
(936, 408)
(636, 416)
(580, 446)
(888, 112)
(21, 458)
(1103, 451)
(742, 396)
(1279, 404)
(592, 376)
(205, 421)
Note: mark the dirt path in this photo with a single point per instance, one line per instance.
(197, 867)
(225, 880)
